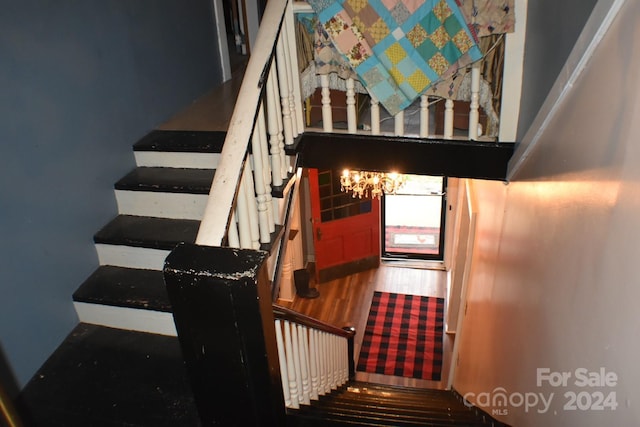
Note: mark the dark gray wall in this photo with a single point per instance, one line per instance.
(80, 82)
(552, 29)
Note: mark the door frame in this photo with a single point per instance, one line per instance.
(441, 255)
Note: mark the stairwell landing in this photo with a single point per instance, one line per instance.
(122, 365)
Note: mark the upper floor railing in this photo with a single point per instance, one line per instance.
(276, 104)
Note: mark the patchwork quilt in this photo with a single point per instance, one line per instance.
(399, 48)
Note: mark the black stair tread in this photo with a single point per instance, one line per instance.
(392, 417)
(322, 418)
(395, 399)
(386, 389)
(148, 232)
(432, 411)
(125, 287)
(182, 141)
(171, 180)
(110, 377)
(361, 403)
(399, 414)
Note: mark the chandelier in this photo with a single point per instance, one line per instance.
(370, 184)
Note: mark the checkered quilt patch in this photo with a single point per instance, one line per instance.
(399, 48)
(403, 336)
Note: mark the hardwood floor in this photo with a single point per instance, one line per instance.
(213, 110)
(346, 302)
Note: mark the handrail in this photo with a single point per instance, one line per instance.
(226, 181)
(283, 313)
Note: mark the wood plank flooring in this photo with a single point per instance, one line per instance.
(213, 110)
(346, 302)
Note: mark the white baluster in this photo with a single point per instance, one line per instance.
(295, 102)
(232, 234)
(283, 84)
(304, 363)
(252, 206)
(266, 167)
(258, 175)
(291, 60)
(339, 359)
(424, 116)
(274, 141)
(334, 363)
(448, 119)
(291, 370)
(327, 115)
(345, 360)
(242, 210)
(474, 114)
(296, 361)
(352, 120)
(283, 160)
(375, 116)
(282, 359)
(323, 363)
(313, 363)
(398, 120)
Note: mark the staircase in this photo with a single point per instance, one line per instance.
(122, 365)
(160, 204)
(366, 404)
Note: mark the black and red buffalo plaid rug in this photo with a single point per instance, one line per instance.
(403, 336)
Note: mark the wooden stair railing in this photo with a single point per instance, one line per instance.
(315, 357)
(267, 118)
(240, 350)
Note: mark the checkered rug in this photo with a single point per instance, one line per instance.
(403, 336)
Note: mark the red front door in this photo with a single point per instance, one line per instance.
(346, 230)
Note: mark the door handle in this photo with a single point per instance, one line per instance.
(318, 233)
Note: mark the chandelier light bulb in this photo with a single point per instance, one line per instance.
(370, 184)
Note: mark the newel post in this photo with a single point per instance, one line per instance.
(351, 351)
(222, 310)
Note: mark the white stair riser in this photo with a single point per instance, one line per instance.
(131, 257)
(162, 205)
(134, 319)
(177, 160)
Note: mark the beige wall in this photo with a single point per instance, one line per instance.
(555, 277)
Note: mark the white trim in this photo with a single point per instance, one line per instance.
(134, 319)
(217, 10)
(166, 159)
(130, 256)
(596, 27)
(512, 75)
(160, 204)
(473, 214)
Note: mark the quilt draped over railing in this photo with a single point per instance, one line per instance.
(399, 48)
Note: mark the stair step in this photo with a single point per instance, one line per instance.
(102, 376)
(382, 407)
(395, 415)
(178, 193)
(182, 141)
(171, 180)
(147, 232)
(370, 404)
(125, 287)
(179, 149)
